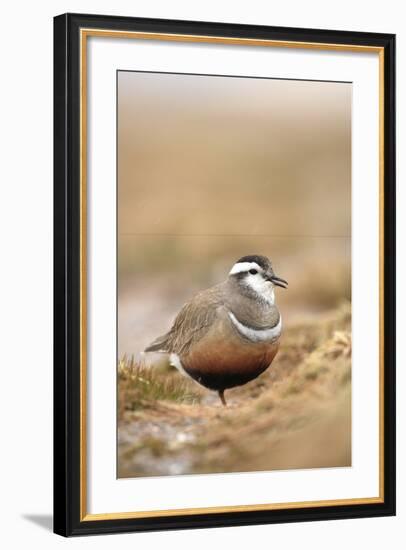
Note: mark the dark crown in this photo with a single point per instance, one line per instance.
(262, 261)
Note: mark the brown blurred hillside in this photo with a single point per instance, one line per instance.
(213, 168)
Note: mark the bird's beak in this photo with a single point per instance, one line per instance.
(278, 281)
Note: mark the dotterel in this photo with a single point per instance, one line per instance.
(229, 334)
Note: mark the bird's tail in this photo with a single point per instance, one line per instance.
(159, 345)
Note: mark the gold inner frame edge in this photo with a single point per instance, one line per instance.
(84, 34)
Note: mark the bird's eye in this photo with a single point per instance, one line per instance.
(253, 271)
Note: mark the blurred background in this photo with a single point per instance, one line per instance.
(213, 168)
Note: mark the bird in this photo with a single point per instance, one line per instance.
(227, 335)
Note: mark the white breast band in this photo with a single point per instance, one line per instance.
(254, 335)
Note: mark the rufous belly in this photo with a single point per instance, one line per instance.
(223, 358)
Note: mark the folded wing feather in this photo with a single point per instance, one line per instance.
(191, 323)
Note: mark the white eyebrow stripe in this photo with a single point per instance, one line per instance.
(244, 266)
(265, 335)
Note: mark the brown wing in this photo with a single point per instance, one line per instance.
(191, 323)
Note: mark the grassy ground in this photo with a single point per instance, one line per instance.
(296, 415)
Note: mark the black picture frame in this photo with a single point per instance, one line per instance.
(67, 288)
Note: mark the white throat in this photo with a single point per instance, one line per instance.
(264, 289)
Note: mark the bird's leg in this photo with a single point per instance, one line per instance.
(223, 399)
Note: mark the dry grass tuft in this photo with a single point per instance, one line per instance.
(139, 386)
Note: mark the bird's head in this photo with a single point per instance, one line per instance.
(255, 274)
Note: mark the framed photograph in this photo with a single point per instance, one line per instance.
(224, 274)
